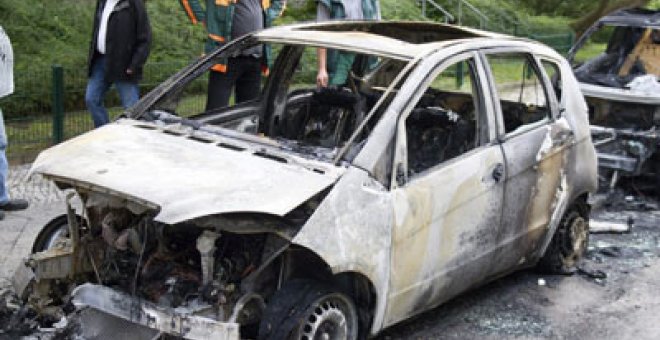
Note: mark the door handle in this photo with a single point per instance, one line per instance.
(498, 172)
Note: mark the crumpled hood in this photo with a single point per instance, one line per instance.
(186, 177)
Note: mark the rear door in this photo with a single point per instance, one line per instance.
(534, 143)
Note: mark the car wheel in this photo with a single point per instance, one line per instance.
(567, 245)
(308, 310)
(51, 233)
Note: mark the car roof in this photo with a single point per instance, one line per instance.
(632, 17)
(395, 39)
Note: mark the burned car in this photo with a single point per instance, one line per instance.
(622, 90)
(449, 158)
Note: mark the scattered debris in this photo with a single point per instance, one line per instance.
(596, 226)
(592, 273)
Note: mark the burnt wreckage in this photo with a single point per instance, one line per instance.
(622, 89)
(447, 160)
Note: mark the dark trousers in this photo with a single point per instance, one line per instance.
(243, 74)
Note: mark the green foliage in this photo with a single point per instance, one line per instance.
(58, 32)
(566, 8)
(401, 10)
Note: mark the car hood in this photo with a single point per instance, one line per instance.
(185, 175)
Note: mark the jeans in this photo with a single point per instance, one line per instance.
(243, 74)
(4, 166)
(97, 87)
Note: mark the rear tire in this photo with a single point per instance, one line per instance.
(568, 244)
(305, 309)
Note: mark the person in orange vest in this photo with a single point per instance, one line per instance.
(226, 20)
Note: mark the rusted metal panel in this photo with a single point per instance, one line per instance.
(351, 231)
(185, 178)
(55, 263)
(446, 225)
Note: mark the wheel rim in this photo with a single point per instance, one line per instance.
(61, 233)
(333, 317)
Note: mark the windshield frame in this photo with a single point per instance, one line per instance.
(191, 72)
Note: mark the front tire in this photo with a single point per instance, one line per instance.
(305, 309)
(568, 244)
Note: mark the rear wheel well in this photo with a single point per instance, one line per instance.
(569, 241)
(581, 204)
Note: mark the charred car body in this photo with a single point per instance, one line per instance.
(623, 93)
(449, 159)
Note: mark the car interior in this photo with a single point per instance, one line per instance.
(444, 122)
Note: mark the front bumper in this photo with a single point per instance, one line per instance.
(147, 314)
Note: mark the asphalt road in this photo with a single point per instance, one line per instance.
(623, 305)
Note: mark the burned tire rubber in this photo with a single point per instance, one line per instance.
(568, 244)
(305, 309)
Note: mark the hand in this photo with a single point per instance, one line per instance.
(129, 71)
(322, 78)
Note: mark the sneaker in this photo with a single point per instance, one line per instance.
(14, 204)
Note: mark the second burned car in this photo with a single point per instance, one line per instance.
(449, 159)
(622, 88)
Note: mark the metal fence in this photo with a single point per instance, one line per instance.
(561, 42)
(48, 106)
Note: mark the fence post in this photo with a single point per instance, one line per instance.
(459, 75)
(58, 104)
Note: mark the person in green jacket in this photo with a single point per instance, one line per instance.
(226, 20)
(334, 66)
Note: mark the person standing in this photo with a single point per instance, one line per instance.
(119, 48)
(334, 66)
(226, 20)
(6, 88)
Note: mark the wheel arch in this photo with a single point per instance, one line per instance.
(304, 263)
(579, 201)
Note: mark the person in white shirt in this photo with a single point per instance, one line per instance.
(6, 88)
(118, 50)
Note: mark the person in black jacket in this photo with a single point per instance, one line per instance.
(118, 51)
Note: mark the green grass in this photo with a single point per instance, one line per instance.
(589, 51)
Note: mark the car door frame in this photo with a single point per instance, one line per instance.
(531, 224)
(419, 296)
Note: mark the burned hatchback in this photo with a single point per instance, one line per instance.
(446, 158)
(617, 62)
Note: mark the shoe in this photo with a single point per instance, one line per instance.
(14, 204)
